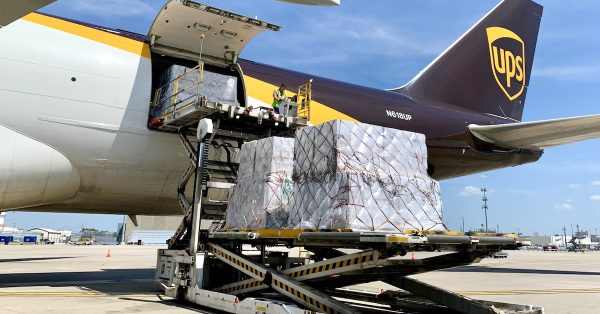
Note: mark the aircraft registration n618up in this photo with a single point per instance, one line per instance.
(78, 132)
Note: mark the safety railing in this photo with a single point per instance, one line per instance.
(304, 100)
(174, 96)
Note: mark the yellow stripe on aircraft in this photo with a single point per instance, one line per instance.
(263, 91)
(319, 113)
(113, 40)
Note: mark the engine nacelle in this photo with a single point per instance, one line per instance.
(33, 173)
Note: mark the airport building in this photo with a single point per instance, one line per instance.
(51, 235)
(5, 228)
(582, 238)
(99, 237)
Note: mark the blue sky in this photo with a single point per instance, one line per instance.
(383, 44)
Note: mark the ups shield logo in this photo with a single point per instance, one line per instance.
(507, 56)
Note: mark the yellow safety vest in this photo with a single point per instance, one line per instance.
(280, 95)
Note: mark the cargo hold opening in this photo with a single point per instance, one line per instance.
(194, 60)
(182, 82)
(161, 63)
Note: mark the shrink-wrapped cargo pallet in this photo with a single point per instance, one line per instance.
(363, 177)
(260, 199)
(179, 86)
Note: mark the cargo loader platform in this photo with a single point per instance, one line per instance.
(186, 97)
(256, 271)
(316, 281)
(188, 112)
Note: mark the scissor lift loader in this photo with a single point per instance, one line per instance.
(238, 270)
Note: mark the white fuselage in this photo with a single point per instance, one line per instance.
(73, 125)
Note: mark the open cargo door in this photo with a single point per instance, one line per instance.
(179, 26)
(13, 10)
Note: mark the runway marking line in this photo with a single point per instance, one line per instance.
(69, 294)
(531, 291)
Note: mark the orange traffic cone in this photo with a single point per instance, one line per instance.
(108, 254)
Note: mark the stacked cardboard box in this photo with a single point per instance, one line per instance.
(180, 86)
(357, 176)
(261, 198)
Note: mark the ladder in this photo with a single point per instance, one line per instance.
(304, 100)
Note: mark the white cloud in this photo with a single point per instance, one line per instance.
(483, 176)
(569, 166)
(470, 191)
(583, 72)
(566, 205)
(595, 183)
(574, 186)
(595, 197)
(110, 8)
(339, 38)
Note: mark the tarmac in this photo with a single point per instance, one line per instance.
(81, 279)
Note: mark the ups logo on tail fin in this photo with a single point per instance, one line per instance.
(507, 56)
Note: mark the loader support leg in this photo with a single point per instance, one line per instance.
(301, 293)
(441, 296)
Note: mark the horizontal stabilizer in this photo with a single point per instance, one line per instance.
(539, 134)
(13, 10)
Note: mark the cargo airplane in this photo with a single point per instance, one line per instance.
(75, 102)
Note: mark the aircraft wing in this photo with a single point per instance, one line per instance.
(13, 10)
(539, 134)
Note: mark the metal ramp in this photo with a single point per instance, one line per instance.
(575, 244)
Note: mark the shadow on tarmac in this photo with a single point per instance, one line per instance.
(174, 303)
(108, 281)
(122, 283)
(480, 269)
(32, 259)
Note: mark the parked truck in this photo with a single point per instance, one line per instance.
(85, 240)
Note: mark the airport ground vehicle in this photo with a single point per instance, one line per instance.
(217, 269)
(84, 241)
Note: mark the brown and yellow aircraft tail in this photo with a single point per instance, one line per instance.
(487, 69)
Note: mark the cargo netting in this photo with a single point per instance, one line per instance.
(345, 175)
(262, 196)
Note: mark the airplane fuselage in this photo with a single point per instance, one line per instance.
(75, 103)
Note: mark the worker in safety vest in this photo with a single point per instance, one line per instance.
(279, 98)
